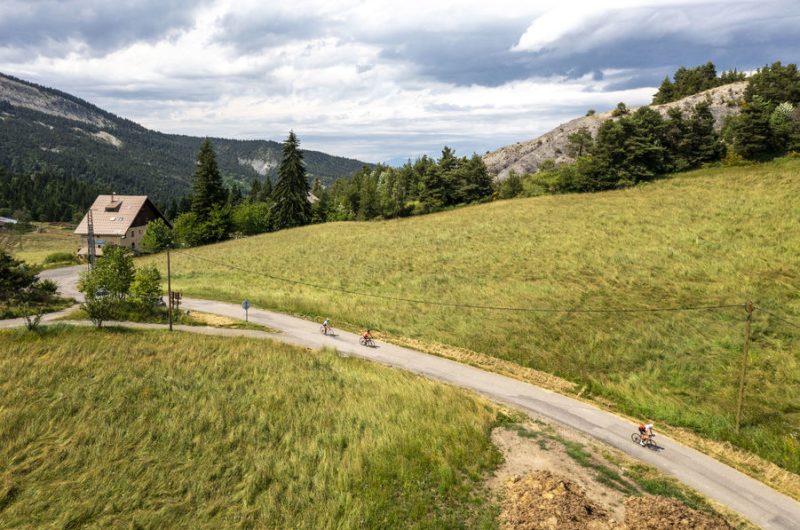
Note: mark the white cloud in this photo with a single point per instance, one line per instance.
(380, 80)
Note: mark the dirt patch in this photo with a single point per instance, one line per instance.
(659, 513)
(212, 320)
(532, 453)
(542, 500)
(553, 477)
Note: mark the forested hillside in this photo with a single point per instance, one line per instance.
(47, 131)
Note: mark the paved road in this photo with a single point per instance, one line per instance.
(752, 499)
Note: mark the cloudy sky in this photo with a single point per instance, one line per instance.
(383, 80)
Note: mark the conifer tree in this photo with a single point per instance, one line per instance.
(290, 196)
(753, 136)
(319, 210)
(208, 191)
(255, 191)
(266, 190)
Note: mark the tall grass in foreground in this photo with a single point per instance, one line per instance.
(721, 235)
(156, 430)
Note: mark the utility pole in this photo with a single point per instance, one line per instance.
(91, 254)
(169, 290)
(749, 308)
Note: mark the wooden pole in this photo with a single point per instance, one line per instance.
(169, 290)
(743, 371)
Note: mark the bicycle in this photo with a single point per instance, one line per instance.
(367, 341)
(648, 442)
(327, 331)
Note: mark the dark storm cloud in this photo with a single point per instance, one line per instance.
(253, 32)
(43, 26)
(730, 36)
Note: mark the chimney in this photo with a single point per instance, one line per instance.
(112, 196)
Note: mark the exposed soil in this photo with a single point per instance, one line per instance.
(542, 500)
(526, 455)
(542, 487)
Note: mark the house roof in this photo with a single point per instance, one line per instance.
(113, 215)
(8, 220)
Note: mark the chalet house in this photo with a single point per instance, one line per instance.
(118, 220)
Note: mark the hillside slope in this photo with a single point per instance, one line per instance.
(526, 157)
(45, 128)
(716, 236)
(131, 429)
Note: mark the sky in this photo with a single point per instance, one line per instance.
(380, 80)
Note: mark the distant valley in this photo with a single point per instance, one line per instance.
(44, 129)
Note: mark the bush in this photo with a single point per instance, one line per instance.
(112, 275)
(146, 290)
(60, 257)
(157, 236)
(47, 287)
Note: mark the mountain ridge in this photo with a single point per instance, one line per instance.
(526, 156)
(45, 129)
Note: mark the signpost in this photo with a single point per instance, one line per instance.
(245, 306)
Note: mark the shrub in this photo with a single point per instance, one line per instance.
(47, 287)
(60, 257)
(157, 236)
(112, 275)
(145, 290)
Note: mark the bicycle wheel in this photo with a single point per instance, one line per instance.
(636, 437)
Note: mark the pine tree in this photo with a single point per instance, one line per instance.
(319, 210)
(255, 191)
(666, 92)
(208, 191)
(753, 136)
(290, 196)
(703, 139)
(266, 190)
(235, 195)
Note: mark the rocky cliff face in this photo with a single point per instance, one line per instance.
(526, 157)
(29, 96)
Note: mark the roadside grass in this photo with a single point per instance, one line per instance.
(45, 240)
(148, 429)
(187, 318)
(713, 236)
(15, 310)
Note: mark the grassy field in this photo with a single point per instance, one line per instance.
(714, 236)
(33, 247)
(140, 429)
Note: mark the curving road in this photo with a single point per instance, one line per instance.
(750, 498)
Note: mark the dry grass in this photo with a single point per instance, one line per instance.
(120, 428)
(33, 247)
(721, 235)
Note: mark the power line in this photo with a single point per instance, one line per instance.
(773, 315)
(471, 306)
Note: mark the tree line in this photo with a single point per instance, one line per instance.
(46, 196)
(690, 81)
(216, 213)
(643, 145)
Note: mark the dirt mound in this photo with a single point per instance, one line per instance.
(660, 513)
(541, 500)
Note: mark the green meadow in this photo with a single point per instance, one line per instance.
(138, 429)
(720, 235)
